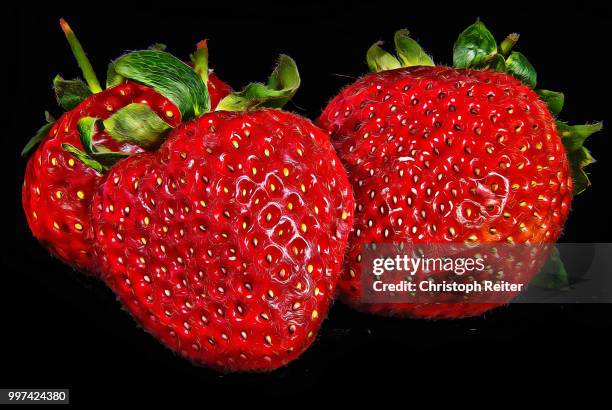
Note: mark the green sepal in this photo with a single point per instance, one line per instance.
(474, 47)
(496, 62)
(138, 124)
(98, 158)
(167, 75)
(285, 79)
(573, 138)
(70, 93)
(135, 123)
(40, 134)
(112, 77)
(409, 51)
(553, 99)
(579, 159)
(518, 66)
(379, 60)
(84, 158)
(99, 161)
(200, 60)
(553, 274)
(87, 129)
(280, 88)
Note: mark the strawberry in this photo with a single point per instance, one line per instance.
(57, 189)
(226, 243)
(469, 154)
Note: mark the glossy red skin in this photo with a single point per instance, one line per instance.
(210, 266)
(456, 137)
(61, 223)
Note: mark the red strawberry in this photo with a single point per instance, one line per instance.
(226, 243)
(57, 189)
(438, 155)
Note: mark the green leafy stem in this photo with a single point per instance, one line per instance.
(280, 88)
(184, 86)
(476, 48)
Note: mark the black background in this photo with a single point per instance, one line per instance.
(63, 330)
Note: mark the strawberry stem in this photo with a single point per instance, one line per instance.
(81, 58)
(200, 60)
(506, 46)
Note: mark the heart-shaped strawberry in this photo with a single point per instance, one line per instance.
(226, 242)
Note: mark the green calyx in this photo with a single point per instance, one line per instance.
(476, 48)
(96, 157)
(553, 274)
(167, 75)
(379, 60)
(573, 138)
(184, 86)
(282, 85)
(70, 93)
(553, 99)
(39, 135)
(408, 51)
(136, 124)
